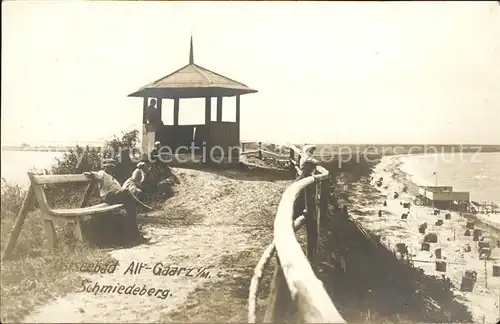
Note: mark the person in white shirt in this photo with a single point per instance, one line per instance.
(112, 193)
(155, 154)
(135, 181)
(307, 164)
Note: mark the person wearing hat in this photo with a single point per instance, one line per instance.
(135, 181)
(155, 153)
(112, 193)
(307, 164)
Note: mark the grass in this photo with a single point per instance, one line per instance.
(34, 274)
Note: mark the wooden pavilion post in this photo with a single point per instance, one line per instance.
(176, 111)
(159, 106)
(237, 160)
(144, 109)
(219, 109)
(208, 110)
(238, 110)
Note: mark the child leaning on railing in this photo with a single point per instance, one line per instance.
(307, 166)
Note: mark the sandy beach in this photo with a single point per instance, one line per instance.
(483, 301)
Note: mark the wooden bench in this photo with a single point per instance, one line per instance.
(71, 216)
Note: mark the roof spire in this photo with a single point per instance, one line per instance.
(191, 54)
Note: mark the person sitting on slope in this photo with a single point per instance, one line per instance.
(112, 193)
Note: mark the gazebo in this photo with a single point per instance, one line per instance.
(210, 140)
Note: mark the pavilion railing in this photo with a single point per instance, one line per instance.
(294, 284)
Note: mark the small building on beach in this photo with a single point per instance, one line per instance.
(209, 141)
(443, 197)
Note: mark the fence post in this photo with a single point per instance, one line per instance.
(311, 226)
(324, 197)
(279, 300)
(260, 150)
(319, 214)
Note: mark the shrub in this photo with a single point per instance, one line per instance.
(84, 159)
(12, 198)
(35, 275)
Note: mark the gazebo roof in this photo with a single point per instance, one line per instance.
(193, 81)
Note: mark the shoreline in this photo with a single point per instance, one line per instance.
(394, 164)
(484, 300)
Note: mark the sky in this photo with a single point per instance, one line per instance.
(326, 72)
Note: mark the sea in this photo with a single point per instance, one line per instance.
(16, 164)
(478, 174)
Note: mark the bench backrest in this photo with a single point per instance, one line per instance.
(57, 178)
(38, 182)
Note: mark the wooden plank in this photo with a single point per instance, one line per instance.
(250, 152)
(237, 130)
(208, 110)
(323, 202)
(238, 110)
(273, 154)
(144, 110)
(77, 230)
(16, 230)
(88, 193)
(317, 196)
(315, 306)
(159, 104)
(51, 233)
(279, 300)
(176, 111)
(86, 211)
(311, 229)
(219, 109)
(264, 259)
(59, 178)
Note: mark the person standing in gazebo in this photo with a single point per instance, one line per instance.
(153, 114)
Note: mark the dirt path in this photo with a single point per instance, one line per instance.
(217, 225)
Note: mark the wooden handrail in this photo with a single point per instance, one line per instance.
(293, 274)
(315, 306)
(264, 260)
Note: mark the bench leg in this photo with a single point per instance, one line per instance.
(51, 232)
(77, 230)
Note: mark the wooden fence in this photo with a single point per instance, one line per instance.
(294, 285)
(259, 151)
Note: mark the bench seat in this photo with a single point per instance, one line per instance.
(84, 211)
(69, 215)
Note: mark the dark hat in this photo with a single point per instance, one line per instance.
(109, 162)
